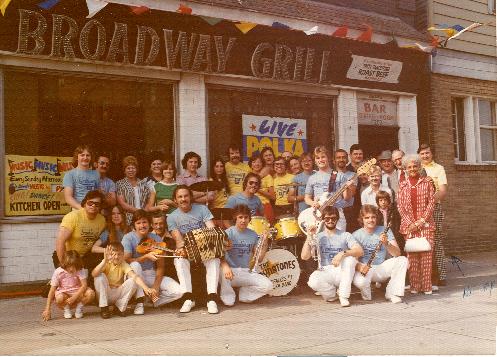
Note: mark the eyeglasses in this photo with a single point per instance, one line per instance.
(330, 219)
(93, 203)
(279, 164)
(103, 163)
(253, 183)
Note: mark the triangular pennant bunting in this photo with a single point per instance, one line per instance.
(3, 5)
(245, 27)
(279, 25)
(367, 35)
(340, 32)
(211, 20)
(48, 4)
(139, 10)
(94, 6)
(311, 31)
(183, 9)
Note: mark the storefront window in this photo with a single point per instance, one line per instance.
(286, 122)
(51, 114)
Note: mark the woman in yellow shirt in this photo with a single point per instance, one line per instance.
(282, 181)
(266, 190)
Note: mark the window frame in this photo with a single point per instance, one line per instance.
(493, 113)
(100, 74)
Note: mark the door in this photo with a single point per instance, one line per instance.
(374, 139)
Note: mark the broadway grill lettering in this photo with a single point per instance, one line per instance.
(163, 42)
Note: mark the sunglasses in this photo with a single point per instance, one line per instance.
(330, 219)
(93, 203)
(253, 183)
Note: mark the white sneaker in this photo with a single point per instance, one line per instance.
(79, 311)
(414, 291)
(366, 294)
(212, 307)
(344, 302)
(67, 312)
(434, 287)
(428, 292)
(407, 287)
(188, 305)
(139, 309)
(394, 299)
(317, 293)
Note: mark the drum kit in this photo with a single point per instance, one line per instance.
(280, 263)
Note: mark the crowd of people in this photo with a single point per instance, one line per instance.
(373, 221)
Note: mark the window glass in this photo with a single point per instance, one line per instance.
(485, 112)
(50, 114)
(488, 144)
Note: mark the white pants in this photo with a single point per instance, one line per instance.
(252, 286)
(394, 269)
(185, 278)
(327, 281)
(169, 288)
(119, 296)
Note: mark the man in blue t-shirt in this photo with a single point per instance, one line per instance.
(235, 265)
(184, 219)
(338, 253)
(321, 182)
(247, 197)
(298, 193)
(80, 180)
(149, 266)
(382, 268)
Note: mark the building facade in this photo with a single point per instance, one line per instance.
(463, 123)
(172, 83)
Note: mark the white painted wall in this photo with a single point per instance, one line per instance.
(26, 251)
(191, 122)
(347, 125)
(408, 123)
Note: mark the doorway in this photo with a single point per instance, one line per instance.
(374, 139)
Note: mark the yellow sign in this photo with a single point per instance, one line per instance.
(33, 185)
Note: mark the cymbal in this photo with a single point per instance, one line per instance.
(206, 186)
(222, 213)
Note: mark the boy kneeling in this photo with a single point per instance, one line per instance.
(110, 284)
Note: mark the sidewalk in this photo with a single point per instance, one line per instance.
(460, 319)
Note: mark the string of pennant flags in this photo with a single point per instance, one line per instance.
(450, 32)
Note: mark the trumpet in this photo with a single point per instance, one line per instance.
(253, 266)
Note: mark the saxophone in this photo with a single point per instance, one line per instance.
(316, 253)
(254, 260)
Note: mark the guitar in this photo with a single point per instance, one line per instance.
(312, 216)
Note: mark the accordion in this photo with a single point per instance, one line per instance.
(205, 243)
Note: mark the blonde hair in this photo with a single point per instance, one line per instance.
(129, 160)
(321, 149)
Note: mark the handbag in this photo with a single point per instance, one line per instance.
(416, 245)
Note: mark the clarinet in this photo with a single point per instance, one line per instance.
(378, 246)
(317, 252)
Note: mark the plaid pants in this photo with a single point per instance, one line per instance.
(439, 254)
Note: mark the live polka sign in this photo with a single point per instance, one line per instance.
(281, 134)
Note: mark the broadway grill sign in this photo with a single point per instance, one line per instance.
(186, 43)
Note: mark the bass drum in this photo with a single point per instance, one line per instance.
(282, 268)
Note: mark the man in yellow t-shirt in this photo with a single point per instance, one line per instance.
(80, 229)
(236, 170)
(437, 173)
(282, 181)
(110, 284)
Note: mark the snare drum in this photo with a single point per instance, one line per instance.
(287, 227)
(259, 224)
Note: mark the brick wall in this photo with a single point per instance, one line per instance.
(471, 205)
(26, 251)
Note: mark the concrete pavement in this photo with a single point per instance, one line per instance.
(460, 319)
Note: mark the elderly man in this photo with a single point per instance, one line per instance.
(389, 173)
(437, 174)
